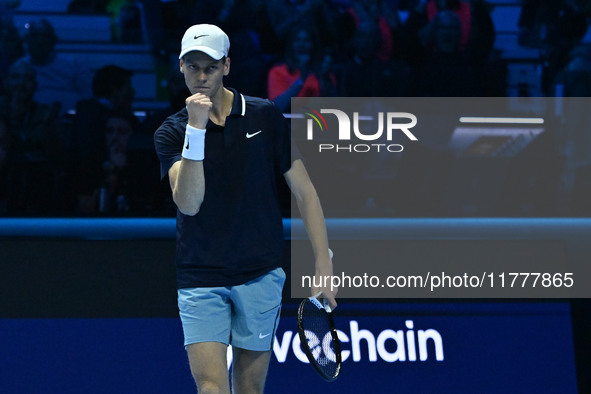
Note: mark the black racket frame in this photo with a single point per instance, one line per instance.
(335, 342)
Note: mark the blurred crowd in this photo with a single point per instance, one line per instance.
(71, 142)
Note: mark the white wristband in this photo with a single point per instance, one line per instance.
(194, 147)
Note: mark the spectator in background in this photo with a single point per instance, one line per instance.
(127, 21)
(61, 80)
(286, 15)
(447, 70)
(118, 131)
(462, 11)
(35, 144)
(381, 77)
(118, 182)
(113, 95)
(483, 33)
(477, 34)
(11, 44)
(130, 188)
(383, 16)
(575, 79)
(554, 27)
(444, 34)
(304, 73)
(105, 186)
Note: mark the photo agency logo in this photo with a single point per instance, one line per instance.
(356, 133)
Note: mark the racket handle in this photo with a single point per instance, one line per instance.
(325, 302)
(327, 307)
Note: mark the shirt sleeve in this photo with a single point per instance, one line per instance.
(168, 141)
(286, 151)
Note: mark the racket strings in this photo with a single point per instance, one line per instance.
(319, 338)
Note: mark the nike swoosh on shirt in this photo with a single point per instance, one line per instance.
(261, 336)
(248, 135)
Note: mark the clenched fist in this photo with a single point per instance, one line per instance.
(198, 107)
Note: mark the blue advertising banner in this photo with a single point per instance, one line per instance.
(439, 347)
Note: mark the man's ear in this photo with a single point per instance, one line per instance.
(227, 67)
(181, 62)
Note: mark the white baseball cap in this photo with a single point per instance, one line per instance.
(208, 39)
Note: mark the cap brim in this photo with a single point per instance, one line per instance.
(216, 55)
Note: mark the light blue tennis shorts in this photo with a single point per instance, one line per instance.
(245, 316)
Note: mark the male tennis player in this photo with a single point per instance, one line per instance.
(221, 154)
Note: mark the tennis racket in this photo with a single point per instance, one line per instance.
(318, 336)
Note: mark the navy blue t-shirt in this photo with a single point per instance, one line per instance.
(237, 235)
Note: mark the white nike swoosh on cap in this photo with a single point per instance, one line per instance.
(248, 135)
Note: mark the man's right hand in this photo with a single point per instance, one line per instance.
(198, 107)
